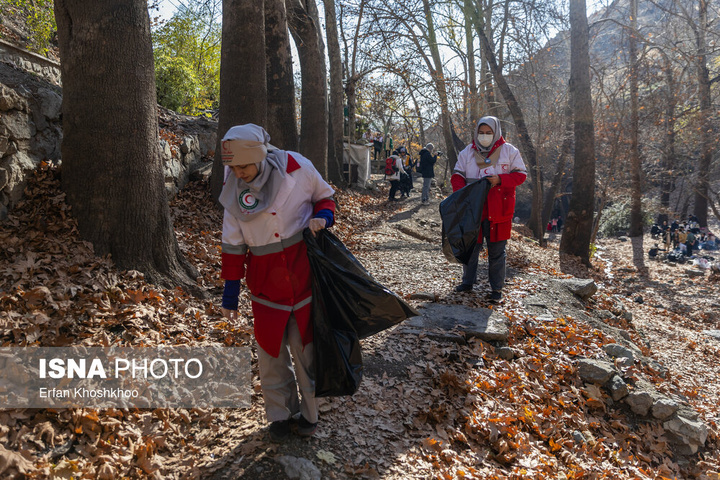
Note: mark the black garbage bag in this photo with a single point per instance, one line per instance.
(348, 305)
(461, 213)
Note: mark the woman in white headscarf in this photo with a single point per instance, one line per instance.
(270, 196)
(490, 157)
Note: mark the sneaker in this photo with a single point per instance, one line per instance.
(463, 287)
(305, 428)
(279, 431)
(495, 296)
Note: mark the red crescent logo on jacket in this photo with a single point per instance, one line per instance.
(247, 200)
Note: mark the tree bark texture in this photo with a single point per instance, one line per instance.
(243, 83)
(551, 193)
(578, 226)
(305, 28)
(281, 121)
(336, 104)
(667, 182)
(112, 171)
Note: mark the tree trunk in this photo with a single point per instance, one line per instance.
(473, 111)
(578, 226)
(438, 76)
(350, 93)
(336, 117)
(551, 192)
(243, 83)
(112, 171)
(304, 26)
(667, 183)
(281, 123)
(526, 143)
(636, 226)
(706, 115)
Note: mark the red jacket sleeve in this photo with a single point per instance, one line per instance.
(457, 181)
(233, 266)
(512, 179)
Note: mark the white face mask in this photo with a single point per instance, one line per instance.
(485, 140)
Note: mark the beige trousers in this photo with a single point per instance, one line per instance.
(280, 381)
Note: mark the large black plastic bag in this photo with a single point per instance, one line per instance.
(461, 213)
(348, 305)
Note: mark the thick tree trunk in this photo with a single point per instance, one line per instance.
(304, 26)
(578, 226)
(552, 192)
(281, 124)
(112, 171)
(706, 115)
(243, 83)
(526, 143)
(336, 117)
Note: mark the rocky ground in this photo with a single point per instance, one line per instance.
(427, 407)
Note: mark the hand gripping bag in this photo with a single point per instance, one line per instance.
(461, 213)
(348, 305)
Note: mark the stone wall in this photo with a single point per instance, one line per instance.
(31, 132)
(43, 67)
(30, 129)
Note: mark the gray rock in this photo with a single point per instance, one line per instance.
(583, 288)
(4, 144)
(618, 388)
(506, 353)
(4, 178)
(3, 213)
(712, 333)
(664, 408)
(618, 351)
(10, 100)
(578, 437)
(50, 104)
(595, 371)
(685, 432)
(298, 467)
(640, 401)
(17, 125)
(482, 323)
(692, 272)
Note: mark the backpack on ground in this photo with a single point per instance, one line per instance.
(390, 167)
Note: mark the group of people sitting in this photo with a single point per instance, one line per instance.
(682, 238)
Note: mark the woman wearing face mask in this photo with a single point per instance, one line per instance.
(490, 156)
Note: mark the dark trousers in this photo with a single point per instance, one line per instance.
(394, 187)
(496, 261)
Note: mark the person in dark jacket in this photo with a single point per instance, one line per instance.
(427, 170)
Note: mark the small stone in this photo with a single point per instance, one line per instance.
(640, 401)
(595, 371)
(617, 388)
(430, 297)
(578, 437)
(506, 353)
(583, 288)
(687, 432)
(664, 408)
(618, 351)
(639, 300)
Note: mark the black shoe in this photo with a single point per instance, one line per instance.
(305, 428)
(463, 287)
(495, 296)
(279, 431)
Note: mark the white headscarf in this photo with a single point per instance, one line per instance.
(481, 153)
(245, 200)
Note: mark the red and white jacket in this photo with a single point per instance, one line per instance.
(500, 204)
(269, 252)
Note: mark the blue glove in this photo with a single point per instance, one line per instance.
(230, 295)
(326, 214)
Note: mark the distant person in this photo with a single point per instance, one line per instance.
(489, 157)
(392, 174)
(427, 170)
(388, 145)
(377, 145)
(559, 223)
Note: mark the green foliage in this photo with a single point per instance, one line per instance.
(39, 18)
(188, 46)
(616, 218)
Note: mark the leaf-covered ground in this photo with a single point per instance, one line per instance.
(425, 409)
